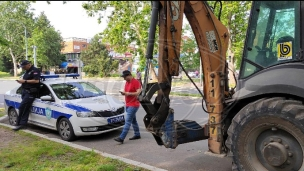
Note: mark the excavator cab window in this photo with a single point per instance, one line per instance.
(273, 35)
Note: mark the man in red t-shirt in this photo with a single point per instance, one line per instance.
(131, 91)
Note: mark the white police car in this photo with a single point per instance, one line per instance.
(70, 106)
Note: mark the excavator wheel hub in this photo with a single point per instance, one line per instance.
(275, 154)
(276, 148)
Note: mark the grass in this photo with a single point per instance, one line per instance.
(4, 74)
(2, 112)
(185, 94)
(28, 152)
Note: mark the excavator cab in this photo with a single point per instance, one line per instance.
(266, 131)
(273, 35)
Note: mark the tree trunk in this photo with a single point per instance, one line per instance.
(153, 74)
(231, 67)
(14, 62)
(151, 71)
(230, 55)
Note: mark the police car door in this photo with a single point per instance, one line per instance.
(42, 107)
(15, 100)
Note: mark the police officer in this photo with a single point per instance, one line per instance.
(30, 86)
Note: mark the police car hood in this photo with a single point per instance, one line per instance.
(99, 103)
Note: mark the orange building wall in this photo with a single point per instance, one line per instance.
(74, 46)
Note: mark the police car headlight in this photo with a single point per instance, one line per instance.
(85, 114)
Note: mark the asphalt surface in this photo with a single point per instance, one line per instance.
(190, 156)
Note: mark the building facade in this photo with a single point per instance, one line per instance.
(73, 45)
(72, 49)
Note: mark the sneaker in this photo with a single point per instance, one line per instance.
(18, 127)
(118, 139)
(134, 138)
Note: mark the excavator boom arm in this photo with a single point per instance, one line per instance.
(212, 40)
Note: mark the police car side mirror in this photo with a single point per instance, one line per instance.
(46, 98)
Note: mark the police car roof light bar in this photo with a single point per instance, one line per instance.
(43, 77)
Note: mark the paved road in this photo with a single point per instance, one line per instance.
(188, 156)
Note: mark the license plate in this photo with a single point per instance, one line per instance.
(116, 119)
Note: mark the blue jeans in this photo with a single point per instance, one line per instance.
(131, 119)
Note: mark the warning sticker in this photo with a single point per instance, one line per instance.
(212, 41)
(284, 50)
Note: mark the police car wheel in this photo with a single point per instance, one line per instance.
(65, 130)
(12, 116)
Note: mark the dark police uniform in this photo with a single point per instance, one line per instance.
(29, 92)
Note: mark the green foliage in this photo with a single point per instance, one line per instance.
(190, 59)
(25, 151)
(49, 2)
(4, 42)
(235, 16)
(15, 18)
(1, 110)
(4, 74)
(6, 64)
(96, 59)
(48, 42)
(130, 20)
(128, 23)
(115, 75)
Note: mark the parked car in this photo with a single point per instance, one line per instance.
(73, 107)
(180, 77)
(192, 74)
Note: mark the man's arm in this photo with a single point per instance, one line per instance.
(36, 75)
(28, 81)
(133, 93)
(32, 81)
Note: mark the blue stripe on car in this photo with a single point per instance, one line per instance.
(37, 110)
(12, 103)
(77, 108)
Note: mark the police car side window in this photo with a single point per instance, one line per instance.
(19, 90)
(44, 91)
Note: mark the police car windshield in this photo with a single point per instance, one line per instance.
(75, 90)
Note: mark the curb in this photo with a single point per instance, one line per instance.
(80, 147)
(2, 118)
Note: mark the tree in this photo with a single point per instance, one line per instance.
(48, 42)
(190, 58)
(3, 42)
(96, 59)
(235, 16)
(14, 18)
(129, 23)
(49, 2)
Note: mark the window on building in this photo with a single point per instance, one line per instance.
(76, 47)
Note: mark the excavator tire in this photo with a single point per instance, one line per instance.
(268, 135)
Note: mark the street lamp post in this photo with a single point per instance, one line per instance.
(25, 42)
(35, 58)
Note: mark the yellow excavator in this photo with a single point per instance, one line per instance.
(260, 123)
